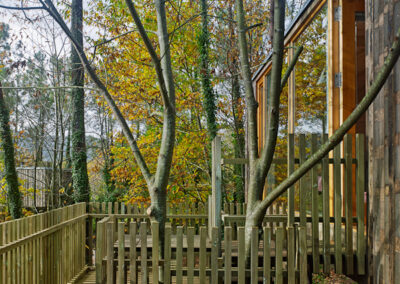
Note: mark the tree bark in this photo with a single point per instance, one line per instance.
(80, 178)
(13, 194)
(208, 92)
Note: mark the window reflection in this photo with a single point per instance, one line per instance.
(311, 83)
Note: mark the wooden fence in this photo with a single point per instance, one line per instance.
(192, 257)
(44, 248)
(329, 201)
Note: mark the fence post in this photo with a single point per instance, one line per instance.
(216, 196)
(290, 171)
(99, 252)
(110, 252)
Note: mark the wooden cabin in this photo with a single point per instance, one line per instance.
(329, 78)
(37, 184)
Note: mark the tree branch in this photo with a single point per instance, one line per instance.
(251, 103)
(268, 152)
(152, 52)
(337, 137)
(21, 8)
(92, 74)
(254, 26)
(291, 67)
(266, 155)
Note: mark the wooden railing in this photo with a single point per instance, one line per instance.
(44, 248)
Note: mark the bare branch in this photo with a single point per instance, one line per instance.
(92, 74)
(21, 8)
(254, 26)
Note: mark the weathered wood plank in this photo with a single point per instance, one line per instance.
(121, 253)
(179, 244)
(254, 255)
(348, 183)
(203, 251)
(214, 255)
(290, 171)
(303, 254)
(241, 256)
(143, 252)
(325, 211)
(110, 252)
(360, 188)
(338, 208)
(267, 257)
(302, 193)
(228, 255)
(291, 264)
(314, 209)
(278, 256)
(190, 255)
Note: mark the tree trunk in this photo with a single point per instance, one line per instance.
(208, 92)
(80, 179)
(239, 140)
(13, 194)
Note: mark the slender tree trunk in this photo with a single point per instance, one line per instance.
(259, 166)
(208, 92)
(239, 140)
(55, 154)
(13, 194)
(80, 179)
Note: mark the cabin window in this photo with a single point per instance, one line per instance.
(310, 89)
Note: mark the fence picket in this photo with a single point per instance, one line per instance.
(110, 252)
(302, 199)
(241, 256)
(314, 209)
(254, 255)
(228, 255)
(143, 252)
(348, 183)
(267, 257)
(179, 243)
(133, 253)
(167, 254)
(121, 253)
(338, 208)
(325, 211)
(278, 256)
(303, 254)
(154, 255)
(290, 171)
(360, 187)
(214, 255)
(99, 251)
(291, 255)
(203, 254)
(190, 255)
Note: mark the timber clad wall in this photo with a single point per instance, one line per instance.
(383, 131)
